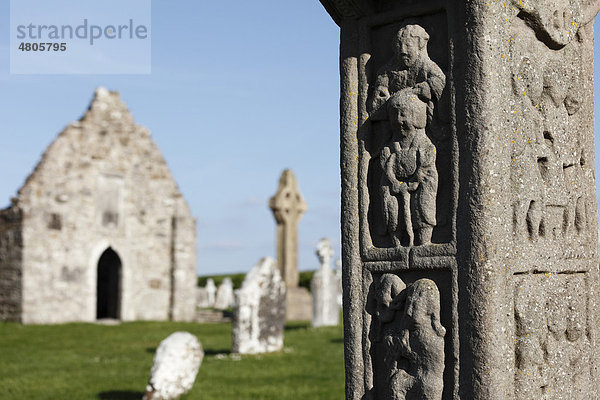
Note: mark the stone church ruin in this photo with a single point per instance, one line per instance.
(99, 229)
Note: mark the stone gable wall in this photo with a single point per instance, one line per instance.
(103, 183)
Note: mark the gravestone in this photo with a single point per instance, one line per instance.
(288, 206)
(338, 279)
(494, 98)
(324, 289)
(202, 297)
(176, 364)
(211, 289)
(224, 297)
(259, 310)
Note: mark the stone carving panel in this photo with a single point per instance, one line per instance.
(408, 125)
(556, 22)
(406, 338)
(552, 343)
(550, 171)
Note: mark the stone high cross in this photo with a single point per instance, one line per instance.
(287, 206)
(469, 217)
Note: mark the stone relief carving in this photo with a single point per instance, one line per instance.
(410, 67)
(549, 168)
(551, 340)
(556, 22)
(407, 339)
(409, 181)
(405, 94)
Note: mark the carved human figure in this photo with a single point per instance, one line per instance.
(388, 300)
(577, 343)
(384, 302)
(552, 348)
(408, 339)
(531, 333)
(530, 155)
(421, 341)
(409, 67)
(409, 180)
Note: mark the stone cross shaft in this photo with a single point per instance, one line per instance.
(469, 216)
(287, 206)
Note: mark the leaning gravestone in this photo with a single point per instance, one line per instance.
(324, 289)
(259, 310)
(176, 365)
(224, 297)
(494, 98)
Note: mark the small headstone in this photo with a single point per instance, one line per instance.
(202, 297)
(212, 290)
(176, 365)
(259, 311)
(224, 298)
(338, 278)
(324, 288)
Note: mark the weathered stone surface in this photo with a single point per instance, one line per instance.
(176, 364)
(11, 264)
(211, 289)
(338, 279)
(259, 311)
(99, 229)
(224, 298)
(208, 315)
(407, 339)
(287, 206)
(494, 98)
(202, 297)
(324, 289)
(298, 304)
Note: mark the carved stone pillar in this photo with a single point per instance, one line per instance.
(469, 220)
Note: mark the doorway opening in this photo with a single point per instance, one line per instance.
(108, 286)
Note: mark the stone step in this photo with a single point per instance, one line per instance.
(208, 315)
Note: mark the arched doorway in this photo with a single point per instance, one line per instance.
(108, 286)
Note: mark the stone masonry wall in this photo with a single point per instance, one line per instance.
(101, 184)
(184, 267)
(11, 250)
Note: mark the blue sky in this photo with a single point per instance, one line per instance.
(239, 91)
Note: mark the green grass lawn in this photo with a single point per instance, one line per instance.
(89, 361)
